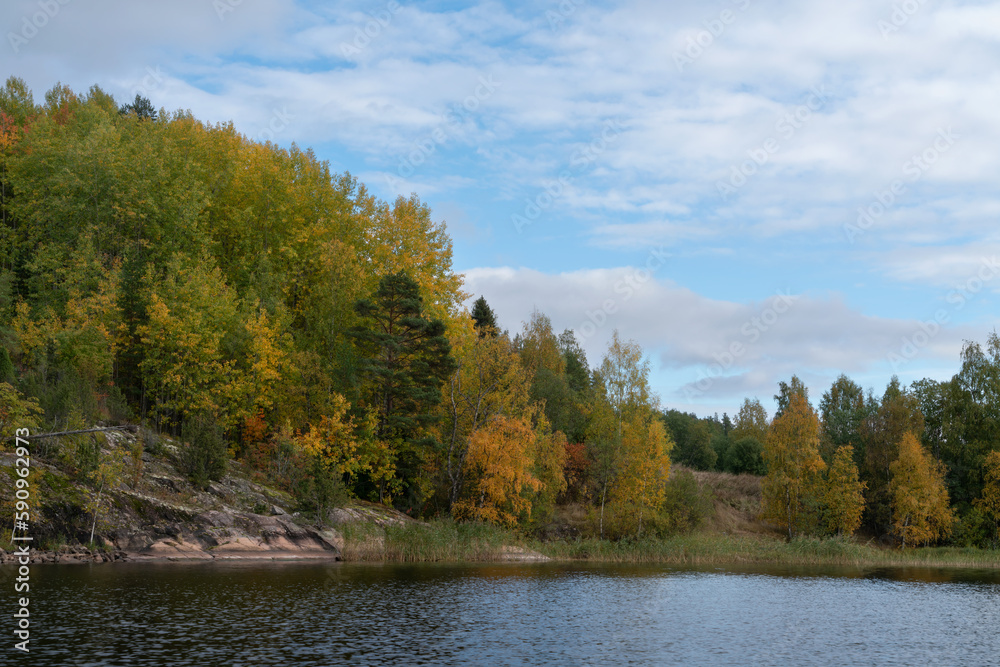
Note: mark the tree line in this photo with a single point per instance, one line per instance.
(917, 464)
(260, 308)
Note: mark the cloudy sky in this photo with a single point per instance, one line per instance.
(749, 189)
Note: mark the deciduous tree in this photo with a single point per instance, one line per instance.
(793, 465)
(921, 512)
(843, 498)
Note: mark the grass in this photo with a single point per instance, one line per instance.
(438, 541)
(447, 541)
(718, 549)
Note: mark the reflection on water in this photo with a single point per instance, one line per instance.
(325, 614)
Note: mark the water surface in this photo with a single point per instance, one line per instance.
(560, 614)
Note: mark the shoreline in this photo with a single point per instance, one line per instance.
(703, 549)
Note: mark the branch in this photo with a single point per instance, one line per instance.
(132, 428)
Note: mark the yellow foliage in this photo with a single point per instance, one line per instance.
(184, 366)
(500, 472)
(639, 489)
(843, 498)
(793, 465)
(990, 501)
(16, 412)
(920, 506)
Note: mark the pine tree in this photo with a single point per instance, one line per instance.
(405, 358)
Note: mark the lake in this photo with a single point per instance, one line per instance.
(504, 614)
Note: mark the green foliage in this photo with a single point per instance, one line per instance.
(746, 455)
(6, 366)
(687, 504)
(975, 530)
(319, 488)
(843, 410)
(405, 357)
(693, 438)
(786, 392)
(484, 317)
(141, 107)
(204, 453)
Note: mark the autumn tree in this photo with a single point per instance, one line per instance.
(105, 479)
(793, 466)
(921, 512)
(843, 496)
(751, 421)
(499, 472)
(989, 502)
(621, 433)
(543, 359)
(185, 366)
(882, 430)
(639, 490)
(490, 381)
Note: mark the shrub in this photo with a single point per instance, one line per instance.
(687, 503)
(204, 456)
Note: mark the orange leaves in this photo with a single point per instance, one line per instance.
(499, 461)
(921, 513)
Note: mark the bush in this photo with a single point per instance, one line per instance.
(204, 456)
(317, 489)
(687, 503)
(746, 455)
(974, 529)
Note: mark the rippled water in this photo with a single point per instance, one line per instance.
(329, 614)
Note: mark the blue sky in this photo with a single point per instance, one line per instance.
(748, 189)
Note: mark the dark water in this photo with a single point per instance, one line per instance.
(331, 614)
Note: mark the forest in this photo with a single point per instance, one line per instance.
(244, 299)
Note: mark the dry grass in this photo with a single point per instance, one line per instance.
(737, 501)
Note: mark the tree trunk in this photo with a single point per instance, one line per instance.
(97, 507)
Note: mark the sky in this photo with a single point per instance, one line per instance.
(748, 189)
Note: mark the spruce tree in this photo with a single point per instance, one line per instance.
(484, 317)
